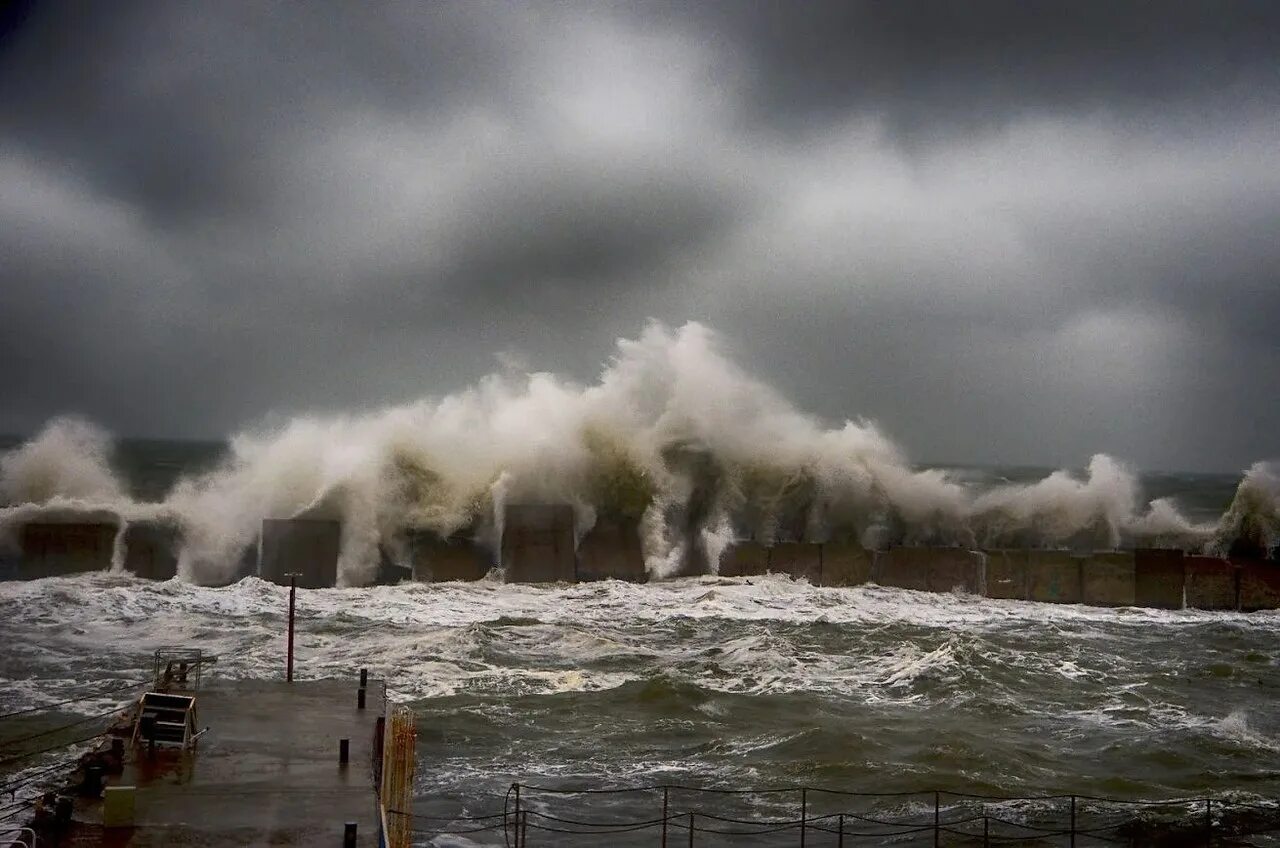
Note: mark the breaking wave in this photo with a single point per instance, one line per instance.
(672, 436)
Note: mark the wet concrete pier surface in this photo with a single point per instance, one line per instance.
(266, 772)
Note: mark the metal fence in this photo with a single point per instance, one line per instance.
(686, 815)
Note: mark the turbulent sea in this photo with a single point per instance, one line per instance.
(715, 682)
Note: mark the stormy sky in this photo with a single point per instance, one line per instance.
(1006, 231)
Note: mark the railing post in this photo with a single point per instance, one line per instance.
(691, 829)
(524, 829)
(1208, 821)
(804, 815)
(1073, 821)
(840, 832)
(293, 595)
(517, 824)
(937, 818)
(986, 832)
(666, 793)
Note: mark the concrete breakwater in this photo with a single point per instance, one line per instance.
(539, 543)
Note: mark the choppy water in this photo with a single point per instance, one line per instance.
(716, 682)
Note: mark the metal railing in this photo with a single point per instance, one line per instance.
(835, 817)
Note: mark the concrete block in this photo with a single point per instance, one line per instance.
(956, 570)
(845, 564)
(57, 549)
(1212, 583)
(904, 568)
(744, 559)
(538, 543)
(1054, 577)
(438, 560)
(1160, 578)
(611, 549)
(1259, 585)
(151, 549)
(802, 560)
(307, 546)
(1007, 574)
(1108, 579)
(118, 806)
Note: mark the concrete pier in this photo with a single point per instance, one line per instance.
(538, 543)
(265, 773)
(305, 546)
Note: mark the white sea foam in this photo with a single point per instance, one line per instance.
(672, 434)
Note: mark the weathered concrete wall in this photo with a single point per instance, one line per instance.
(151, 550)
(1212, 583)
(845, 564)
(56, 549)
(1160, 578)
(956, 570)
(611, 549)
(1108, 579)
(306, 546)
(1054, 576)
(437, 560)
(744, 559)
(537, 543)
(904, 568)
(1259, 584)
(1007, 574)
(802, 560)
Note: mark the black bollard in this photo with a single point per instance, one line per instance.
(92, 786)
(349, 835)
(344, 751)
(364, 678)
(360, 698)
(62, 812)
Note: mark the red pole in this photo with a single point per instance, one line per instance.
(293, 594)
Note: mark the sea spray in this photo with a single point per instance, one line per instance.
(673, 437)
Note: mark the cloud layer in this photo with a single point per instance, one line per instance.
(1022, 232)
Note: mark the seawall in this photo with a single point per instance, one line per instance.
(540, 544)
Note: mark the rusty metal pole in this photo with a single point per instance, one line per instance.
(293, 597)
(666, 790)
(804, 815)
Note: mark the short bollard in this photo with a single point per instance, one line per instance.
(360, 698)
(364, 678)
(349, 835)
(344, 751)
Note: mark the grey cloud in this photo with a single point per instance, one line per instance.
(1009, 231)
(933, 66)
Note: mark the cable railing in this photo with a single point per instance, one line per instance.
(537, 815)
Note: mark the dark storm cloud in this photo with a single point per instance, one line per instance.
(981, 63)
(1009, 230)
